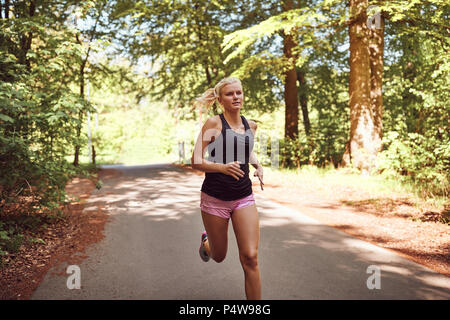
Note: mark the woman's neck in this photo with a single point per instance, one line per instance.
(233, 118)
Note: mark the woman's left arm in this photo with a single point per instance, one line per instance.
(259, 169)
(254, 161)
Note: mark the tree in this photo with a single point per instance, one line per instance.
(290, 80)
(85, 39)
(295, 18)
(183, 41)
(376, 50)
(309, 31)
(37, 105)
(416, 94)
(303, 99)
(361, 149)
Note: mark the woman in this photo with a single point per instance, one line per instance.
(227, 189)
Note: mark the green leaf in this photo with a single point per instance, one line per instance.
(4, 117)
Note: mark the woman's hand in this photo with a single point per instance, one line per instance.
(259, 173)
(233, 169)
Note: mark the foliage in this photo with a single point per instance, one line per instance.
(182, 39)
(317, 149)
(418, 159)
(36, 111)
(416, 81)
(39, 113)
(416, 95)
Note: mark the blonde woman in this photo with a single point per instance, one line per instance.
(227, 189)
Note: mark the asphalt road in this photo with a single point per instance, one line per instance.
(150, 251)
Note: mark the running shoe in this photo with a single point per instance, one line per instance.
(202, 251)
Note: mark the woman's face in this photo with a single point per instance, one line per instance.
(231, 96)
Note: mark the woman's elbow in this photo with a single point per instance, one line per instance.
(195, 162)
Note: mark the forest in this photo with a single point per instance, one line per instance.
(357, 84)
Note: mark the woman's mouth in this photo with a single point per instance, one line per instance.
(236, 103)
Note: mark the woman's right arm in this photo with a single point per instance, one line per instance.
(200, 163)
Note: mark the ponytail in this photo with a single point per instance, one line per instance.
(211, 95)
(208, 98)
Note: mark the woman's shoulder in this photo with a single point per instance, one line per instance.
(252, 124)
(213, 122)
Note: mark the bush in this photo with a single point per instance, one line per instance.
(293, 152)
(415, 158)
(316, 149)
(23, 173)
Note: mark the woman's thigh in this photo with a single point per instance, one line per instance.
(246, 228)
(217, 231)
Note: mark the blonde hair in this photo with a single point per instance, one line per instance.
(212, 94)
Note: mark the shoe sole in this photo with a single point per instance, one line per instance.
(202, 251)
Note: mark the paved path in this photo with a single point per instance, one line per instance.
(150, 251)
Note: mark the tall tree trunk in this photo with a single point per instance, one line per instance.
(26, 38)
(376, 48)
(6, 9)
(83, 65)
(201, 42)
(361, 149)
(303, 100)
(76, 159)
(290, 83)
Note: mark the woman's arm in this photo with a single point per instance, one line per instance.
(253, 160)
(259, 169)
(197, 161)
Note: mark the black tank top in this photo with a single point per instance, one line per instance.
(230, 146)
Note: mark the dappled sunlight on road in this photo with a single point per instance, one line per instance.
(152, 191)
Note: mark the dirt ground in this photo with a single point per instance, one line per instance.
(392, 222)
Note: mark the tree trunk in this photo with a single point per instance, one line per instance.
(303, 101)
(26, 39)
(6, 9)
(76, 159)
(361, 150)
(376, 48)
(290, 84)
(93, 154)
(83, 65)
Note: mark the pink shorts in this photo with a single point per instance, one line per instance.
(222, 208)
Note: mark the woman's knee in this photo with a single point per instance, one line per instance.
(249, 259)
(218, 251)
(218, 257)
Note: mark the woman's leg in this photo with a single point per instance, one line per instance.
(246, 228)
(217, 231)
